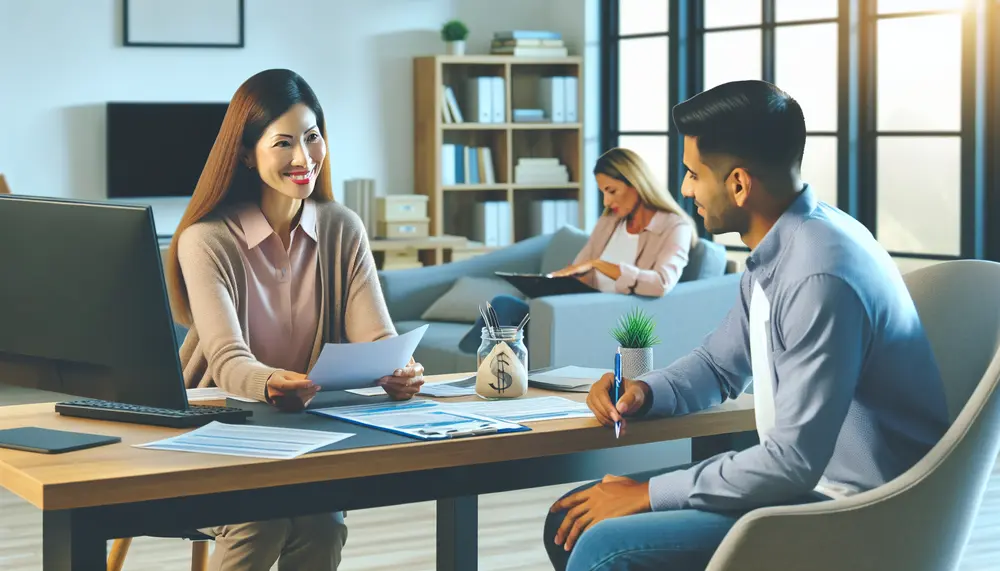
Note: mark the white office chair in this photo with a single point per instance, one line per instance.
(921, 520)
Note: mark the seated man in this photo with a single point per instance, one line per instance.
(847, 392)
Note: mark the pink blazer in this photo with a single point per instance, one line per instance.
(660, 259)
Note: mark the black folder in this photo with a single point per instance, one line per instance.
(48, 441)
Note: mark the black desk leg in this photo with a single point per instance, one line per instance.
(457, 534)
(70, 544)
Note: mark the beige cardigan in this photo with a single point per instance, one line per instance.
(216, 350)
(660, 259)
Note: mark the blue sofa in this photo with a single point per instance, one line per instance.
(567, 329)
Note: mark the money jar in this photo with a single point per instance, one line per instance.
(502, 364)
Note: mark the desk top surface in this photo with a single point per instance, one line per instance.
(121, 473)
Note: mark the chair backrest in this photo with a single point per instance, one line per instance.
(4, 189)
(958, 305)
(922, 519)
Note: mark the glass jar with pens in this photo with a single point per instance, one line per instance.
(502, 361)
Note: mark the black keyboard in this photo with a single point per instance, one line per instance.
(136, 414)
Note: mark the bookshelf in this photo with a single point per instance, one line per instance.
(520, 163)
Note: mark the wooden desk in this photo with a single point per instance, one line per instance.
(90, 496)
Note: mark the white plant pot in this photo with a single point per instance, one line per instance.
(636, 362)
(456, 48)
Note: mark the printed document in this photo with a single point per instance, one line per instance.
(439, 390)
(248, 440)
(343, 366)
(523, 409)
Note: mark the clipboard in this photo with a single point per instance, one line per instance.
(541, 285)
(433, 423)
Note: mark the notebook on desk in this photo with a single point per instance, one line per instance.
(541, 285)
(569, 379)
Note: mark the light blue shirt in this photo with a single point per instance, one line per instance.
(858, 396)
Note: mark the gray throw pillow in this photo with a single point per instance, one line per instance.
(461, 303)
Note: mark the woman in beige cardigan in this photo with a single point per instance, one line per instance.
(639, 245)
(264, 269)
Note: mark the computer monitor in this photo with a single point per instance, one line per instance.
(83, 303)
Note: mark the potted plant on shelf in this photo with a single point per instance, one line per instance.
(636, 338)
(454, 33)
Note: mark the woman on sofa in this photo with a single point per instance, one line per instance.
(264, 269)
(639, 245)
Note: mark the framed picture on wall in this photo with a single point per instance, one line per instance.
(183, 23)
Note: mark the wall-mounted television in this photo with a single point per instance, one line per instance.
(159, 149)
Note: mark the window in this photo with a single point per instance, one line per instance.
(901, 99)
(640, 31)
(795, 47)
(918, 129)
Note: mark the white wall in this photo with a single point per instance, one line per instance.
(62, 60)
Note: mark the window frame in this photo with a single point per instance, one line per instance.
(857, 134)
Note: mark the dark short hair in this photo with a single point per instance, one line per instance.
(750, 120)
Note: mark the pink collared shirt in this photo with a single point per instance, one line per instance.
(283, 303)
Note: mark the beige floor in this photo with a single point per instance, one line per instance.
(402, 538)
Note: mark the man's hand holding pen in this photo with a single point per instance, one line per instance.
(633, 398)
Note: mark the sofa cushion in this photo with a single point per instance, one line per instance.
(705, 260)
(460, 304)
(438, 350)
(566, 243)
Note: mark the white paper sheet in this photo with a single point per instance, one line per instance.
(524, 409)
(213, 393)
(343, 366)
(248, 440)
(445, 390)
(437, 390)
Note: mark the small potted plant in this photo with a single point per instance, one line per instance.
(636, 336)
(454, 33)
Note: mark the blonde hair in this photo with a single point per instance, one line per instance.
(627, 166)
(258, 102)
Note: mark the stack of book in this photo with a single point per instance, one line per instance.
(530, 170)
(528, 43)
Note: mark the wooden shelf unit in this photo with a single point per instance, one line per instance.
(451, 207)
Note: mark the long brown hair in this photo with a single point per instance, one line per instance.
(255, 105)
(627, 166)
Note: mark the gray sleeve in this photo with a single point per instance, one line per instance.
(717, 370)
(825, 330)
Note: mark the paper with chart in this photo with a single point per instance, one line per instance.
(248, 440)
(422, 419)
(571, 378)
(343, 366)
(524, 409)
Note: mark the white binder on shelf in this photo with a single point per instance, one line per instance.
(570, 97)
(499, 100)
(479, 98)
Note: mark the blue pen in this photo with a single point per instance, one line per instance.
(618, 387)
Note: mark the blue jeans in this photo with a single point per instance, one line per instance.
(510, 311)
(680, 540)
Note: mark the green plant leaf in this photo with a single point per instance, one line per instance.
(453, 31)
(635, 330)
